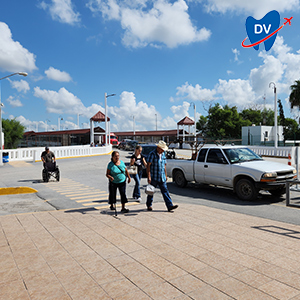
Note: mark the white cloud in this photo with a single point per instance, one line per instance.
(236, 92)
(196, 93)
(62, 11)
(14, 102)
(60, 102)
(164, 24)
(236, 53)
(257, 8)
(13, 56)
(180, 111)
(58, 75)
(20, 86)
(272, 69)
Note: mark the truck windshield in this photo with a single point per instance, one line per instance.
(237, 155)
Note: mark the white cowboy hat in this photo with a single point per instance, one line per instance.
(162, 145)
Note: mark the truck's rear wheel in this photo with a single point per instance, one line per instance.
(246, 190)
(179, 178)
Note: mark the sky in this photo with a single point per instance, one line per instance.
(163, 59)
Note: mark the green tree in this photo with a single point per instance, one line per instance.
(281, 120)
(292, 130)
(258, 117)
(201, 125)
(225, 122)
(13, 133)
(295, 94)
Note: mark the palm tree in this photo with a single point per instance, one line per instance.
(295, 94)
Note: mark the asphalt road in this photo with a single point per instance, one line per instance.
(83, 186)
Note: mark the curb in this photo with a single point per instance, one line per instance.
(17, 190)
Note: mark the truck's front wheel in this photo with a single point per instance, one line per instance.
(179, 178)
(246, 190)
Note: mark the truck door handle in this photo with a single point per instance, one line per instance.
(205, 166)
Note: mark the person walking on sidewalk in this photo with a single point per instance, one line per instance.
(116, 173)
(139, 161)
(157, 175)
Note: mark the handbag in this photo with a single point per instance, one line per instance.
(132, 170)
(150, 189)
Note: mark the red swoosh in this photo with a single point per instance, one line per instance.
(264, 39)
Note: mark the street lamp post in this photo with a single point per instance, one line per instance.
(59, 119)
(275, 113)
(156, 121)
(1, 104)
(105, 97)
(78, 120)
(195, 136)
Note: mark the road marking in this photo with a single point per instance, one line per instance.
(88, 200)
(82, 194)
(86, 197)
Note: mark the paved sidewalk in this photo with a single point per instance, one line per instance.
(196, 252)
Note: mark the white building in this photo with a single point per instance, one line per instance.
(260, 135)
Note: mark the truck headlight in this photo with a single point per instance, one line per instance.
(270, 176)
(294, 171)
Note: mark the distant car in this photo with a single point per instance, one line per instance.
(146, 149)
(123, 144)
(130, 145)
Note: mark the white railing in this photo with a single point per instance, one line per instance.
(34, 154)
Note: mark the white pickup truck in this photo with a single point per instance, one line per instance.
(235, 167)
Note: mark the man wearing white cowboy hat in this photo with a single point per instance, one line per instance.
(157, 175)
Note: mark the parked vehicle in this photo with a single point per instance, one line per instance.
(236, 167)
(122, 144)
(113, 140)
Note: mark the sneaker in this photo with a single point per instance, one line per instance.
(124, 210)
(139, 199)
(112, 207)
(149, 208)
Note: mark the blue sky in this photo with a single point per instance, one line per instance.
(157, 56)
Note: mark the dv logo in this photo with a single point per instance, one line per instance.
(264, 30)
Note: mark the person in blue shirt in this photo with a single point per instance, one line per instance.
(116, 173)
(157, 175)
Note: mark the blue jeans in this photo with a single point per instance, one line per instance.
(164, 191)
(137, 178)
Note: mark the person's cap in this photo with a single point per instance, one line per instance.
(162, 145)
(46, 148)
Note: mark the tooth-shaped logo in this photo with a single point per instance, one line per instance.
(263, 30)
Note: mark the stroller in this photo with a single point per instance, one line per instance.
(50, 169)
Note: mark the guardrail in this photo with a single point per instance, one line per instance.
(34, 154)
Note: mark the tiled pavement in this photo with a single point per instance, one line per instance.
(196, 252)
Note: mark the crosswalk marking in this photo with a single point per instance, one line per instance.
(86, 197)
(89, 200)
(82, 194)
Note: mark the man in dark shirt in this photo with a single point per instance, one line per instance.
(47, 156)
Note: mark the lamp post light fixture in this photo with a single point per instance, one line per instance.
(275, 114)
(105, 97)
(1, 104)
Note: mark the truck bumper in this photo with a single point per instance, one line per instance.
(273, 185)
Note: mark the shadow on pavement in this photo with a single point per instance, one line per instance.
(220, 194)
